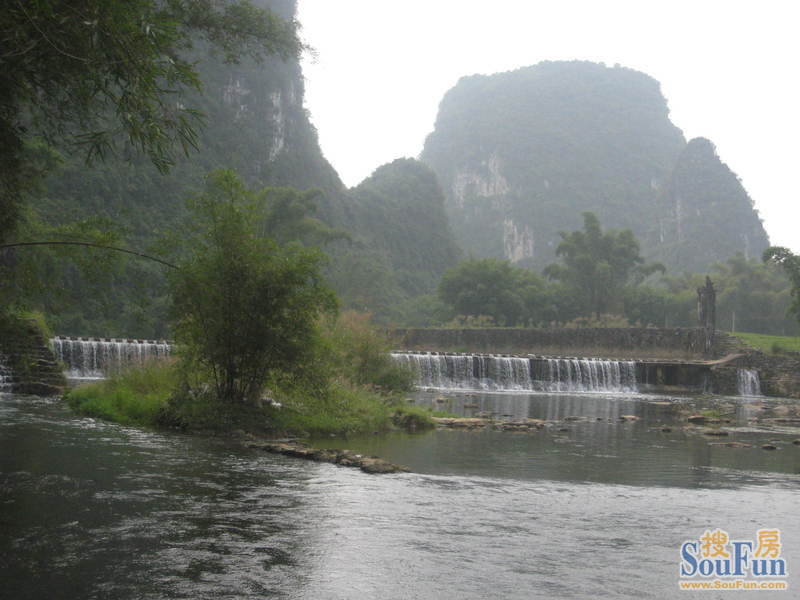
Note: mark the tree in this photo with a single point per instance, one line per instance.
(494, 288)
(244, 307)
(111, 74)
(791, 265)
(599, 265)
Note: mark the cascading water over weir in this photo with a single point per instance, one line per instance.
(748, 382)
(515, 373)
(97, 358)
(5, 376)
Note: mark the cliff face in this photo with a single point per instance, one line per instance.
(522, 154)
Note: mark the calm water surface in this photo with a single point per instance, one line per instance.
(587, 507)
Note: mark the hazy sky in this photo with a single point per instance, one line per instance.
(727, 68)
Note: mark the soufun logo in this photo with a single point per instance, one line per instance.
(715, 555)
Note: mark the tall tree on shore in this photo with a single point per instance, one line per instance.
(598, 265)
(244, 307)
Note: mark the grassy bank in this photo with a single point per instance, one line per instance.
(771, 344)
(147, 397)
(347, 384)
(133, 397)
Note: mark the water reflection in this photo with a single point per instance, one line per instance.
(586, 440)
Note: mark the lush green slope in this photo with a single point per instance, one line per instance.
(706, 215)
(400, 211)
(775, 344)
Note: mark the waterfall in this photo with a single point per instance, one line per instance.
(748, 383)
(95, 359)
(5, 376)
(514, 373)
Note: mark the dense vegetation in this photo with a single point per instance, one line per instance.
(349, 386)
(255, 331)
(554, 141)
(114, 76)
(401, 241)
(393, 238)
(521, 155)
(790, 263)
(601, 280)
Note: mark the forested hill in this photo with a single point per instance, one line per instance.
(256, 124)
(706, 215)
(418, 244)
(522, 154)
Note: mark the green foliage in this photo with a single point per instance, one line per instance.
(495, 289)
(401, 242)
(54, 279)
(244, 307)
(413, 418)
(133, 397)
(772, 344)
(345, 409)
(112, 74)
(750, 297)
(790, 263)
(597, 266)
(359, 352)
(400, 211)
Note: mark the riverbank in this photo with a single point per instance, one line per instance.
(146, 397)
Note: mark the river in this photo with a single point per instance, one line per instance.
(588, 507)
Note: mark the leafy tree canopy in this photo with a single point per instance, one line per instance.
(597, 265)
(791, 265)
(104, 73)
(244, 307)
(493, 288)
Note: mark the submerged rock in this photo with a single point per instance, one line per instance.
(732, 444)
(715, 432)
(344, 458)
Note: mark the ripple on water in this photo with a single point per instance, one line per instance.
(118, 514)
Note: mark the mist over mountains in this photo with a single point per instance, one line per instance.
(522, 154)
(514, 158)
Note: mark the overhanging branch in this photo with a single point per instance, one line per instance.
(90, 245)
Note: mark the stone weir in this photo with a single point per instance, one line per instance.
(531, 373)
(96, 358)
(630, 342)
